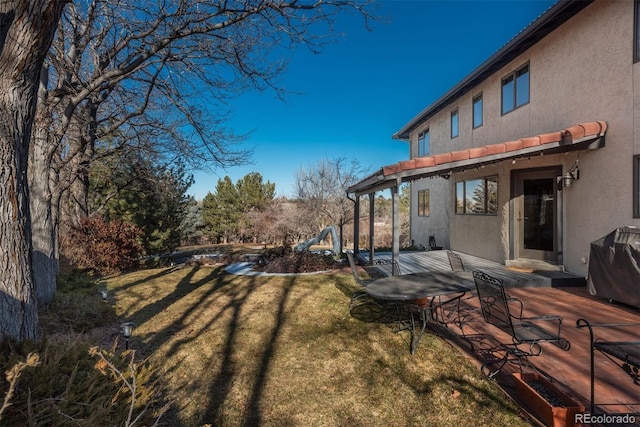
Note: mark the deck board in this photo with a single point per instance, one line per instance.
(616, 392)
(415, 262)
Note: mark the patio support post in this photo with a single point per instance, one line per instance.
(356, 225)
(395, 254)
(372, 199)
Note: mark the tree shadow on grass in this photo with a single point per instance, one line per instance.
(162, 273)
(229, 299)
(471, 395)
(220, 388)
(449, 385)
(214, 280)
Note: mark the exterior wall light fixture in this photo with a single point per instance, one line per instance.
(570, 176)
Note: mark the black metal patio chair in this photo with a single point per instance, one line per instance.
(360, 281)
(496, 310)
(458, 312)
(432, 244)
(624, 354)
(395, 265)
(365, 307)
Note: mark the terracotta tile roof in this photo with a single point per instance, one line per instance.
(568, 136)
(581, 136)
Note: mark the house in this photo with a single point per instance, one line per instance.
(536, 153)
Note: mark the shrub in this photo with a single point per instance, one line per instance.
(284, 260)
(269, 254)
(73, 280)
(103, 246)
(12, 377)
(76, 312)
(72, 383)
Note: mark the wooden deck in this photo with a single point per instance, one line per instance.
(414, 262)
(569, 370)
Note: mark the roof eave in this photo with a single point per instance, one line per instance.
(555, 16)
(381, 182)
(584, 136)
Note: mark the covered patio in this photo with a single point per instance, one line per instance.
(581, 137)
(615, 391)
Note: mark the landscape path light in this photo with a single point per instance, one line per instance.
(127, 329)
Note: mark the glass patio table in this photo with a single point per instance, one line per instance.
(422, 293)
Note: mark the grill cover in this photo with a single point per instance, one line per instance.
(614, 266)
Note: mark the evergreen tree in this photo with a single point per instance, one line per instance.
(221, 211)
(255, 194)
(193, 227)
(142, 192)
(229, 213)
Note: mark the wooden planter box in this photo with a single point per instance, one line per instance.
(553, 407)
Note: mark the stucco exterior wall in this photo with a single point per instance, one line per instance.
(437, 223)
(581, 72)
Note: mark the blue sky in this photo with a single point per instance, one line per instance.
(357, 92)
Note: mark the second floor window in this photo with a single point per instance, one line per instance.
(515, 89)
(423, 203)
(454, 123)
(423, 143)
(477, 111)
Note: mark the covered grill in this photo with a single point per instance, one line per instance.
(614, 266)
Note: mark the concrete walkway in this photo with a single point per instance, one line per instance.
(246, 269)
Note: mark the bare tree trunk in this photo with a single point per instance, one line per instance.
(26, 31)
(80, 187)
(81, 138)
(79, 193)
(18, 309)
(43, 217)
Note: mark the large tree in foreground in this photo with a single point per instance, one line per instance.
(26, 31)
(155, 76)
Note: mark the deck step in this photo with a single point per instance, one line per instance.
(531, 265)
(560, 279)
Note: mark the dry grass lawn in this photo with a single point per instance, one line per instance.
(284, 351)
